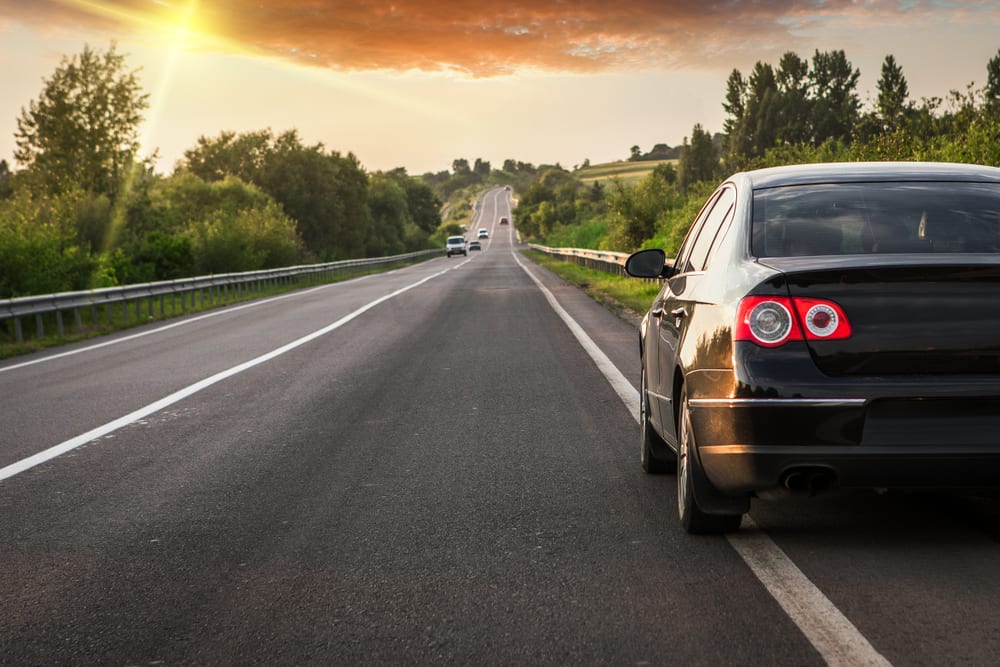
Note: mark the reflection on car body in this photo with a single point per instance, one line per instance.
(826, 325)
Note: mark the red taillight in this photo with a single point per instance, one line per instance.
(771, 321)
(822, 319)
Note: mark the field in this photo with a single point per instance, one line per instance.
(628, 172)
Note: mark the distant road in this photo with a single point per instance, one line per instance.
(429, 465)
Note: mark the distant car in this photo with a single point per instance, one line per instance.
(506, 187)
(504, 221)
(475, 245)
(483, 234)
(455, 245)
(825, 326)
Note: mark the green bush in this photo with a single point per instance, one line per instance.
(38, 250)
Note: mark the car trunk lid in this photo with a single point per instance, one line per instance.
(931, 315)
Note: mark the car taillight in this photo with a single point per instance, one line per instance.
(823, 320)
(771, 321)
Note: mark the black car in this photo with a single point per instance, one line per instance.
(826, 325)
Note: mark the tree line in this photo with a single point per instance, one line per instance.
(796, 111)
(86, 210)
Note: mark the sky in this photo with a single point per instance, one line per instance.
(419, 83)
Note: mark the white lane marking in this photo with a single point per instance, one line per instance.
(214, 313)
(71, 444)
(827, 629)
(618, 381)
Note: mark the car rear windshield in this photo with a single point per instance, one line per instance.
(455, 239)
(853, 218)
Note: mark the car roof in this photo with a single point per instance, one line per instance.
(861, 172)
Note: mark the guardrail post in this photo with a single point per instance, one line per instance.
(18, 333)
(40, 326)
(60, 332)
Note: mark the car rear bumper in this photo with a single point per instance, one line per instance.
(747, 445)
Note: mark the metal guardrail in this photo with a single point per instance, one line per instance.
(609, 262)
(189, 291)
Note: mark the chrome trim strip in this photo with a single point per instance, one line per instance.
(783, 402)
(665, 399)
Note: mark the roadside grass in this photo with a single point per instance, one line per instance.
(94, 322)
(628, 172)
(631, 295)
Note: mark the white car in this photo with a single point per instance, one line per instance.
(455, 246)
(483, 234)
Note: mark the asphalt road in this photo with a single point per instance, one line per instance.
(428, 466)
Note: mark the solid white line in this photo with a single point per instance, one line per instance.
(618, 381)
(184, 322)
(71, 444)
(827, 629)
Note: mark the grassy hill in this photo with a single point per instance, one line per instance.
(628, 172)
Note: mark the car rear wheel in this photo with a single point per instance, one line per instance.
(693, 518)
(649, 438)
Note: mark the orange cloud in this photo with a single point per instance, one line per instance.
(481, 39)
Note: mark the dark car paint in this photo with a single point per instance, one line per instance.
(882, 408)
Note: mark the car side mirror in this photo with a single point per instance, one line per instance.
(647, 264)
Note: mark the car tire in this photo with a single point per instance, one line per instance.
(650, 439)
(693, 518)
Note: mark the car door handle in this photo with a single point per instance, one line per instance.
(678, 313)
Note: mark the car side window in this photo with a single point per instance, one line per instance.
(687, 245)
(716, 216)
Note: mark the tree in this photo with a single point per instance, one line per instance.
(325, 193)
(423, 204)
(460, 166)
(992, 91)
(634, 153)
(481, 168)
(230, 154)
(755, 100)
(666, 171)
(82, 132)
(892, 94)
(699, 161)
(735, 106)
(390, 215)
(762, 109)
(794, 105)
(836, 105)
(6, 188)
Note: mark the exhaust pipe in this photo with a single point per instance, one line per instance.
(796, 481)
(808, 481)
